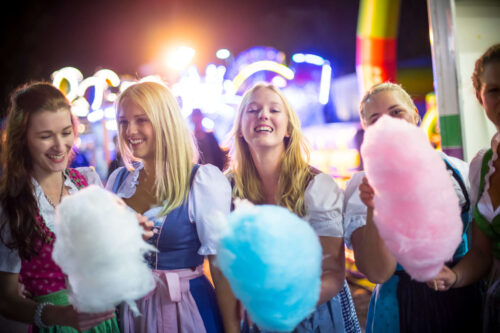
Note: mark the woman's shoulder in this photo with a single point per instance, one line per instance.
(90, 174)
(208, 173)
(476, 165)
(322, 183)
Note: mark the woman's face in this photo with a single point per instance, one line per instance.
(50, 138)
(391, 103)
(137, 132)
(264, 121)
(489, 95)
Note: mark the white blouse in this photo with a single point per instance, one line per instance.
(209, 201)
(323, 200)
(484, 205)
(355, 209)
(10, 260)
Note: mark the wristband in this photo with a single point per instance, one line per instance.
(37, 320)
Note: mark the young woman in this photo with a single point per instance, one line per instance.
(399, 303)
(269, 166)
(162, 181)
(484, 255)
(36, 150)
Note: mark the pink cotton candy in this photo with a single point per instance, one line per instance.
(417, 211)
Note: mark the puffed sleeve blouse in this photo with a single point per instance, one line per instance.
(323, 200)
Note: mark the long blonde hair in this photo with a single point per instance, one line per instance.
(175, 152)
(295, 172)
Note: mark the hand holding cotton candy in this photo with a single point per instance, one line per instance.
(417, 212)
(99, 247)
(272, 259)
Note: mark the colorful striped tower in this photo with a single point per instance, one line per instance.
(376, 42)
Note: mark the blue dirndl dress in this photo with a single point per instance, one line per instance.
(177, 242)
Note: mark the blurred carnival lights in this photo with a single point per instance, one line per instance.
(67, 79)
(326, 73)
(223, 54)
(180, 57)
(263, 65)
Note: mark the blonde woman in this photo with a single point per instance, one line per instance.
(161, 180)
(270, 166)
(400, 304)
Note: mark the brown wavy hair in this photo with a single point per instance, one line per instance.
(18, 202)
(492, 54)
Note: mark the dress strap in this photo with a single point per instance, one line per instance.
(77, 178)
(193, 173)
(458, 178)
(484, 171)
(486, 227)
(120, 178)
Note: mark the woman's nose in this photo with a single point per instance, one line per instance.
(264, 114)
(131, 128)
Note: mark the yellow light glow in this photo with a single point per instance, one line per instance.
(72, 76)
(180, 57)
(264, 65)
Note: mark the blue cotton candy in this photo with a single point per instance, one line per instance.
(272, 259)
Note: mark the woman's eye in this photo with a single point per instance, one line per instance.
(122, 122)
(252, 110)
(396, 112)
(275, 111)
(373, 120)
(67, 133)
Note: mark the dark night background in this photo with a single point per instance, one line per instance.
(40, 36)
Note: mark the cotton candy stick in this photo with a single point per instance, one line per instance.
(417, 212)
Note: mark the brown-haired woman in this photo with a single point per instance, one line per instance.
(484, 177)
(39, 137)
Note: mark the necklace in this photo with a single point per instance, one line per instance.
(60, 195)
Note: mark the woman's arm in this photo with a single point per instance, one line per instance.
(225, 298)
(370, 253)
(333, 267)
(472, 267)
(15, 307)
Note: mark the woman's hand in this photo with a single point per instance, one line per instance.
(366, 193)
(444, 280)
(147, 225)
(83, 321)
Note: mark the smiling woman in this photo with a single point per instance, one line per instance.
(161, 180)
(36, 152)
(270, 166)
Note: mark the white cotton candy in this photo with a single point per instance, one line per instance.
(417, 212)
(99, 247)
